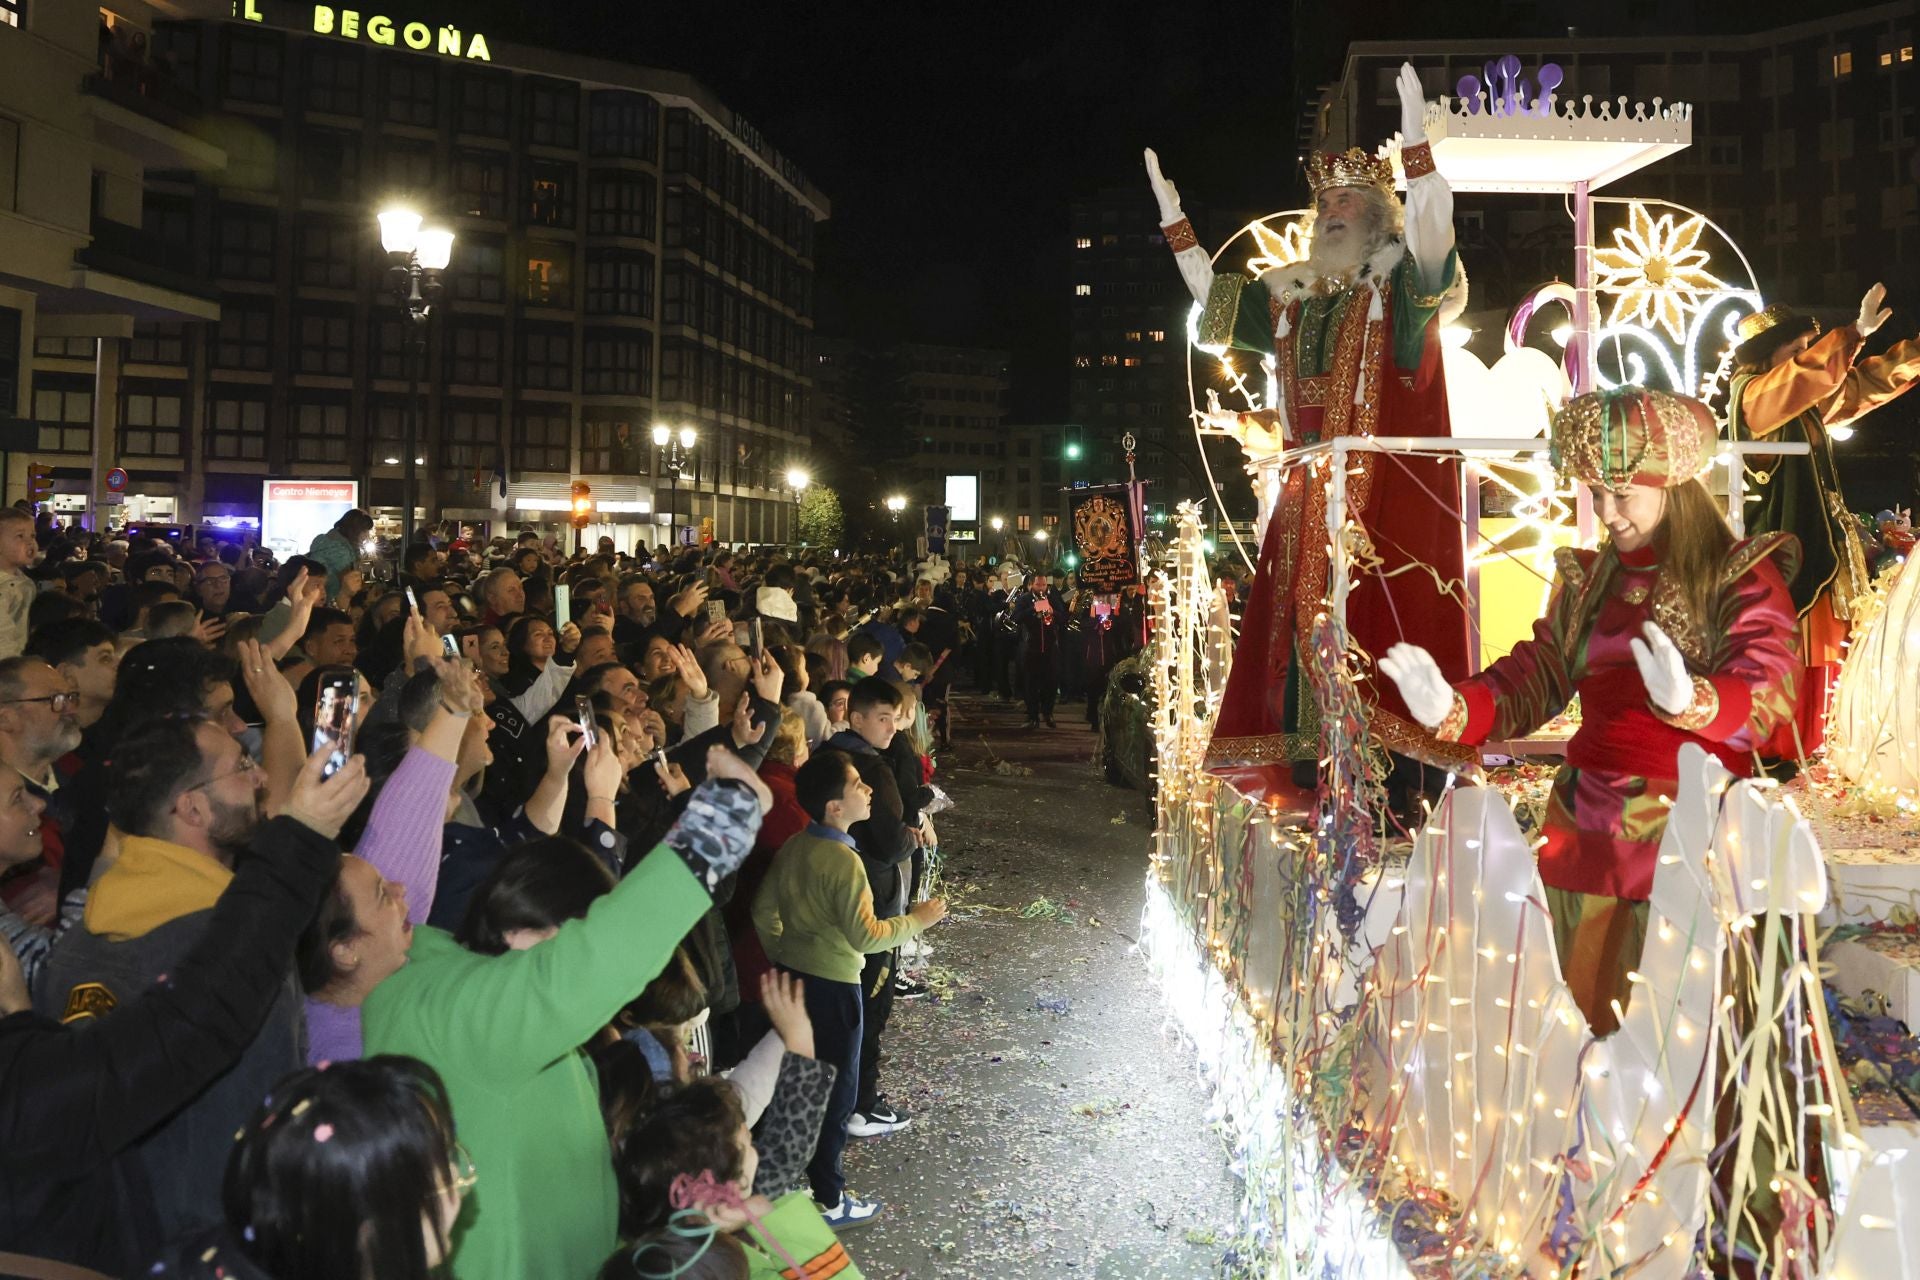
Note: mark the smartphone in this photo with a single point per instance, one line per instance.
(753, 630)
(743, 633)
(413, 602)
(335, 708)
(583, 713)
(562, 605)
(450, 645)
(716, 611)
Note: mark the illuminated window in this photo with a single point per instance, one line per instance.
(1133, 335)
(1109, 360)
(550, 194)
(1083, 291)
(1084, 242)
(1886, 59)
(1842, 65)
(1906, 53)
(1023, 523)
(1131, 362)
(10, 11)
(1156, 335)
(1082, 362)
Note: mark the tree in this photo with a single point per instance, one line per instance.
(821, 522)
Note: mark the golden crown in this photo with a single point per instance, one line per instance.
(1760, 321)
(1350, 168)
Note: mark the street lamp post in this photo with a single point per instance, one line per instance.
(797, 481)
(678, 449)
(417, 258)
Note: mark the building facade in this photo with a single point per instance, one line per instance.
(628, 252)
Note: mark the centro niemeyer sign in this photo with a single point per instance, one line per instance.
(375, 28)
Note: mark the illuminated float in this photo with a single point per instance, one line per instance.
(1406, 1084)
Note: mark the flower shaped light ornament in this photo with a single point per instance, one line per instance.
(1656, 271)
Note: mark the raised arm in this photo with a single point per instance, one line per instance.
(1429, 198)
(1196, 268)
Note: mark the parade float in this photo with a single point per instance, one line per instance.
(1406, 1086)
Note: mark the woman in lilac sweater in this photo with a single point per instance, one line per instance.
(386, 886)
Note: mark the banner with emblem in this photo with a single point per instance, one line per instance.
(1105, 527)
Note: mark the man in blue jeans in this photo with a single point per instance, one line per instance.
(814, 914)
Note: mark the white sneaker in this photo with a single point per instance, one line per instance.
(850, 1212)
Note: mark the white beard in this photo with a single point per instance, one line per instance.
(1341, 255)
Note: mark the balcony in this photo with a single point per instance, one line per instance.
(156, 279)
(141, 110)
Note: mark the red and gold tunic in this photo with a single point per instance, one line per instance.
(1605, 817)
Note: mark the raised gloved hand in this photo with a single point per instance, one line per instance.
(1413, 106)
(715, 832)
(1872, 313)
(1425, 691)
(1662, 670)
(1164, 192)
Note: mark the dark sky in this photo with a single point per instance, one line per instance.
(952, 138)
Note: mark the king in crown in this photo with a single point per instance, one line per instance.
(1354, 328)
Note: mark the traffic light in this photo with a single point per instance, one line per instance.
(39, 482)
(1159, 513)
(582, 504)
(1073, 451)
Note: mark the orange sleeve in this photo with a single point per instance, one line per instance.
(1777, 396)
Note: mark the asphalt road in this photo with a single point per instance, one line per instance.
(1059, 1128)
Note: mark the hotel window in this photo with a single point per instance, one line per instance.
(1023, 522)
(150, 425)
(333, 78)
(319, 432)
(1156, 335)
(326, 253)
(1131, 362)
(244, 244)
(546, 357)
(411, 93)
(330, 165)
(1083, 242)
(1133, 335)
(237, 427)
(409, 167)
(1836, 140)
(324, 343)
(623, 124)
(11, 11)
(475, 354)
(243, 338)
(1109, 361)
(1836, 214)
(1083, 291)
(158, 342)
(477, 270)
(65, 348)
(542, 438)
(253, 66)
(1842, 65)
(620, 204)
(549, 277)
(617, 364)
(483, 103)
(480, 183)
(620, 284)
(1082, 362)
(63, 406)
(550, 194)
(469, 436)
(1897, 206)
(253, 156)
(553, 114)
(388, 355)
(610, 443)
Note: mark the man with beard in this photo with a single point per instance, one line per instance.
(1354, 332)
(38, 725)
(634, 610)
(187, 799)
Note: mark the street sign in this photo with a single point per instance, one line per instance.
(116, 481)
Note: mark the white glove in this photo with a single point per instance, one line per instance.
(1872, 313)
(1413, 106)
(1662, 670)
(1425, 691)
(1163, 191)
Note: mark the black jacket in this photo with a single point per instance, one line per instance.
(883, 841)
(74, 1101)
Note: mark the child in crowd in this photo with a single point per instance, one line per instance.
(833, 696)
(864, 655)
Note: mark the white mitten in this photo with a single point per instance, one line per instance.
(1164, 192)
(1872, 313)
(1413, 106)
(1425, 691)
(1662, 670)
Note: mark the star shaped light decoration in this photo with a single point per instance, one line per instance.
(1656, 271)
(1278, 248)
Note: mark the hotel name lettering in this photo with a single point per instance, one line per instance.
(353, 24)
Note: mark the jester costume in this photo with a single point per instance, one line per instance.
(1605, 815)
(1355, 355)
(1800, 401)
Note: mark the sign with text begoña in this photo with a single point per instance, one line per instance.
(295, 512)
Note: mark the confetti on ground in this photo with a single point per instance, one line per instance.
(1046, 909)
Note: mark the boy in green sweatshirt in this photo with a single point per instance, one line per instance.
(814, 914)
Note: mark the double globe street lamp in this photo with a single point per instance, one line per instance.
(417, 259)
(677, 452)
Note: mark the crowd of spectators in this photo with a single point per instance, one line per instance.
(582, 962)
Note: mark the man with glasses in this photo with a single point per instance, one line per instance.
(38, 725)
(187, 799)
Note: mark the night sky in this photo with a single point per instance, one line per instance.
(952, 139)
